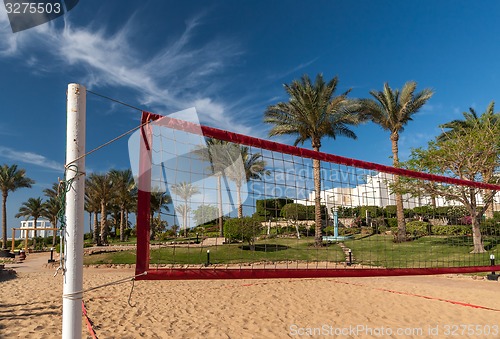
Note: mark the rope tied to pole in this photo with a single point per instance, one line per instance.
(63, 188)
(78, 294)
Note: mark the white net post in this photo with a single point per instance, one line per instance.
(73, 233)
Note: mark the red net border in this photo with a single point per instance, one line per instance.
(143, 211)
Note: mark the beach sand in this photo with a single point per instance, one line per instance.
(395, 307)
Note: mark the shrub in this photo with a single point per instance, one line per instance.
(286, 230)
(392, 222)
(490, 227)
(390, 211)
(306, 230)
(211, 234)
(329, 230)
(209, 228)
(423, 210)
(442, 211)
(455, 213)
(349, 231)
(452, 230)
(165, 236)
(347, 212)
(374, 211)
(294, 211)
(466, 220)
(408, 213)
(418, 228)
(270, 208)
(382, 229)
(243, 229)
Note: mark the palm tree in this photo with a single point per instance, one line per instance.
(251, 167)
(311, 113)
(52, 207)
(458, 127)
(50, 211)
(392, 110)
(185, 191)
(123, 183)
(53, 192)
(131, 206)
(214, 154)
(33, 208)
(184, 210)
(11, 179)
(101, 190)
(93, 206)
(158, 200)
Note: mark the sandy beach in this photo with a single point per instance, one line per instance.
(401, 307)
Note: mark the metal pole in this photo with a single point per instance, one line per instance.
(73, 233)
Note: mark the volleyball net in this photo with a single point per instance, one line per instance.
(213, 204)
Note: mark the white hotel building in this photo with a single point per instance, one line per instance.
(375, 192)
(41, 226)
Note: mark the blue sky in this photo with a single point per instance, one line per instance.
(229, 59)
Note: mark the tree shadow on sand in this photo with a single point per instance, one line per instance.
(23, 311)
(7, 274)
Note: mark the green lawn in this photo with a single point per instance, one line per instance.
(123, 257)
(271, 250)
(431, 251)
(376, 250)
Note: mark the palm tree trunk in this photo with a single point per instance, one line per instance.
(34, 226)
(219, 198)
(240, 204)
(4, 220)
(122, 224)
(401, 235)
(104, 226)
(318, 238)
(97, 238)
(126, 219)
(34, 233)
(54, 232)
(90, 222)
(185, 217)
(184, 221)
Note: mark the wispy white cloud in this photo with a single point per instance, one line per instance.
(293, 70)
(179, 75)
(8, 41)
(30, 158)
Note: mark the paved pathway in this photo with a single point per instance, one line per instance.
(34, 262)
